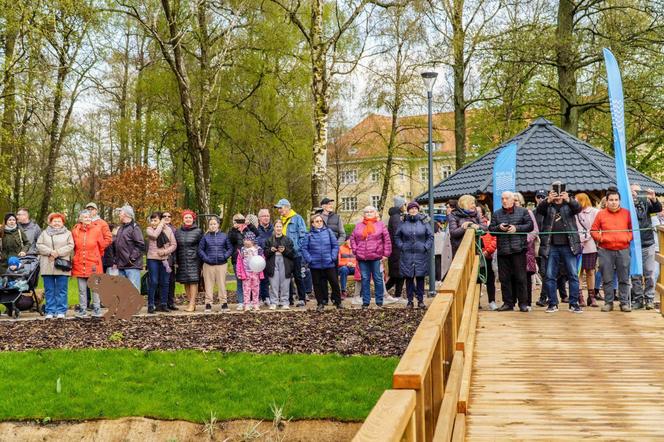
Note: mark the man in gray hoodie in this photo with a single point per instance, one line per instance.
(31, 230)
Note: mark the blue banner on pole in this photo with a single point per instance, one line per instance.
(619, 147)
(504, 174)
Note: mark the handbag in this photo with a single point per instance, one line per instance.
(61, 263)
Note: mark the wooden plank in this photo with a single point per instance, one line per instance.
(467, 309)
(448, 410)
(464, 392)
(459, 434)
(390, 419)
(415, 362)
(453, 280)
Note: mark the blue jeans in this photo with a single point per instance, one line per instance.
(160, 279)
(344, 271)
(239, 294)
(134, 276)
(369, 269)
(55, 292)
(561, 255)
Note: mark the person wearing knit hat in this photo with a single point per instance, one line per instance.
(14, 241)
(395, 279)
(415, 238)
(236, 236)
(188, 238)
(411, 205)
(250, 278)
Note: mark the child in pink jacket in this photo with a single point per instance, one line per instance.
(250, 279)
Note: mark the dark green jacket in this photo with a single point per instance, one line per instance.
(13, 243)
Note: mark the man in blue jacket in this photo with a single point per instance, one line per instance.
(295, 229)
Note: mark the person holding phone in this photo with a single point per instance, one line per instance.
(511, 223)
(643, 286)
(560, 243)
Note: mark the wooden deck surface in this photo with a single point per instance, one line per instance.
(564, 376)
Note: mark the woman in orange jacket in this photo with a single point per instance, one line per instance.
(346, 263)
(89, 245)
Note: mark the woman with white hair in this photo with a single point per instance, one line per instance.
(370, 241)
(465, 216)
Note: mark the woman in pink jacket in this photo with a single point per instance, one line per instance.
(584, 222)
(371, 243)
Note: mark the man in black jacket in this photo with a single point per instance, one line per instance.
(645, 205)
(512, 223)
(332, 220)
(396, 217)
(560, 243)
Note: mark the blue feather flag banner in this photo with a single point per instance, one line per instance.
(619, 146)
(504, 174)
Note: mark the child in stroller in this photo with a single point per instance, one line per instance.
(17, 285)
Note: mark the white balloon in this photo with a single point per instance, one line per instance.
(257, 264)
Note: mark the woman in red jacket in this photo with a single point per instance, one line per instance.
(89, 245)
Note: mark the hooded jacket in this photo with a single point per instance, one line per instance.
(89, 246)
(188, 264)
(320, 248)
(415, 238)
(129, 247)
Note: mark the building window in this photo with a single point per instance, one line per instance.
(424, 173)
(375, 175)
(353, 150)
(349, 176)
(375, 199)
(445, 171)
(402, 174)
(349, 203)
(409, 196)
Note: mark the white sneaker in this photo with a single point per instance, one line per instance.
(285, 307)
(266, 302)
(273, 307)
(493, 306)
(356, 300)
(60, 316)
(48, 317)
(239, 307)
(389, 300)
(401, 300)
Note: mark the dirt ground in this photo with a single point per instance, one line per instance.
(149, 430)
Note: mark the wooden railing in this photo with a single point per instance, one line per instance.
(660, 259)
(431, 384)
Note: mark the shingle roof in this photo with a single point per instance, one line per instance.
(545, 153)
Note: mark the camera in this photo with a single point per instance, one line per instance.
(558, 187)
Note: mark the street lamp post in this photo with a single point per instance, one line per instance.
(429, 80)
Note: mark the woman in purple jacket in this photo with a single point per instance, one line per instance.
(371, 243)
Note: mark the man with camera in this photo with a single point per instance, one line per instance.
(646, 204)
(560, 243)
(511, 223)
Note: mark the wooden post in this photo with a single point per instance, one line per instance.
(660, 259)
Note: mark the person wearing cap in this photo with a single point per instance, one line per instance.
(98, 222)
(31, 229)
(214, 250)
(511, 222)
(332, 220)
(55, 242)
(415, 239)
(295, 229)
(188, 272)
(236, 236)
(89, 246)
(396, 213)
(14, 241)
(371, 243)
(129, 247)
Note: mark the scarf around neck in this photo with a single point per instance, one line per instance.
(53, 231)
(370, 229)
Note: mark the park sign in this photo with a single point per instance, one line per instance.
(619, 143)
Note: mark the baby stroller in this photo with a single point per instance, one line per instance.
(14, 284)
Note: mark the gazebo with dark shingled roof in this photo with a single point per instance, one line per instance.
(545, 153)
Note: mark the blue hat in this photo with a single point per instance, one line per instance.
(13, 261)
(250, 236)
(282, 202)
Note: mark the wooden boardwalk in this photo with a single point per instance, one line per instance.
(562, 376)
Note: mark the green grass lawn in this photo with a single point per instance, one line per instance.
(189, 385)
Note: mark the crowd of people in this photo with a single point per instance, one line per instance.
(560, 238)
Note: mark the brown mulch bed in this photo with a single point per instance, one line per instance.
(384, 332)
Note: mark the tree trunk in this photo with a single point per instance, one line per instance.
(319, 87)
(54, 141)
(565, 60)
(7, 137)
(139, 151)
(123, 126)
(459, 69)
